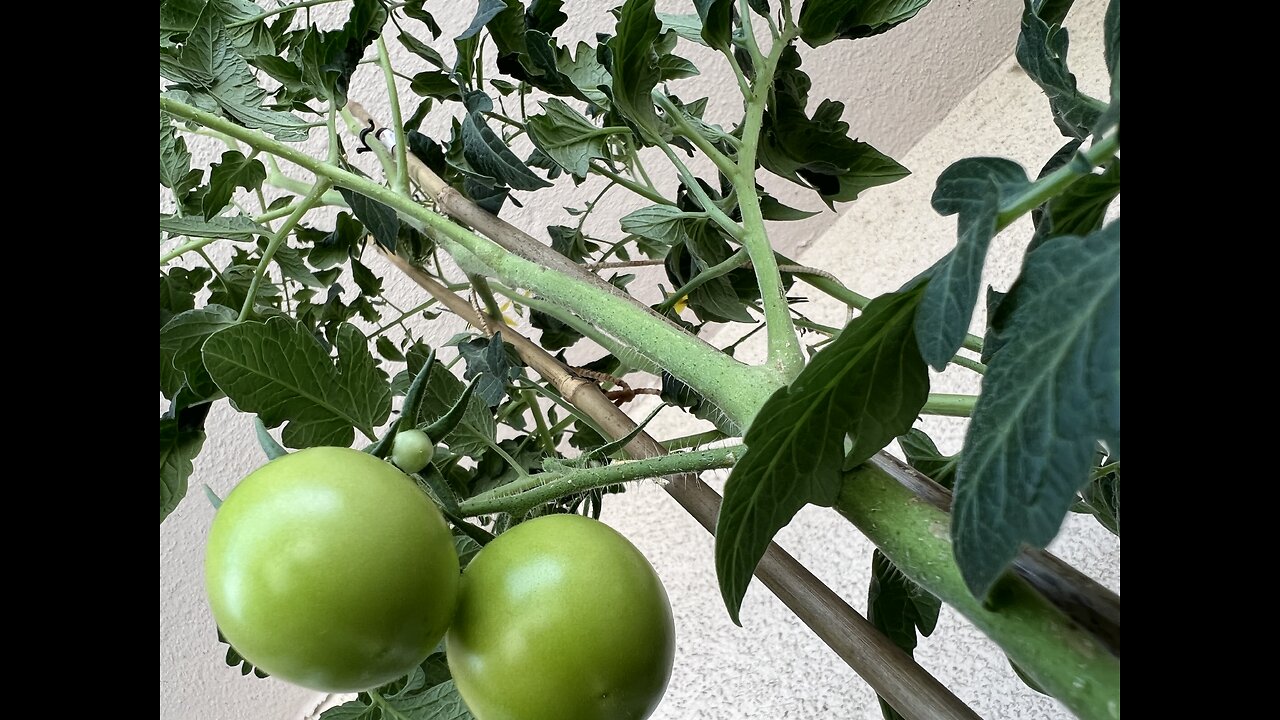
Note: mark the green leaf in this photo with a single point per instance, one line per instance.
(1102, 496)
(413, 9)
(486, 152)
(178, 288)
(1082, 207)
(924, 456)
(586, 73)
(677, 393)
(328, 59)
(688, 27)
(235, 171)
(421, 49)
(717, 22)
(663, 223)
(175, 160)
(635, 69)
(556, 335)
(869, 382)
(772, 209)
(250, 40)
(899, 608)
(822, 21)
(703, 247)
(181, 438)
(1050, 394)
(972, 187)
(817, 152)
(1042, 52)
(180, 341)
(474, 431)
(279, 370)
(567, 137)
(209, 67)
(383, 222)
(235, 227)
(493, 364)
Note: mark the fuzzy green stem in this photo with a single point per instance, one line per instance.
(733, 262)
(783, 346)
(539, 421)
(722, 163)
(695, 188)
(277, 11)
(520, 496)
(401, 180)
(304, 206)
(632, 185)
(1068, 662)
(737, 389)
(183, 249)
(693, 441)
(949, 405)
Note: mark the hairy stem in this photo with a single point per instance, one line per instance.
(401, 179)
(304, 206)
(1068, 662)
(519, 497)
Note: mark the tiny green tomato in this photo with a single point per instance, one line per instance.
(412, 450)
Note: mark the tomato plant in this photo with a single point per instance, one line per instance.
(328, 568)
(295, 223)
(561, 618)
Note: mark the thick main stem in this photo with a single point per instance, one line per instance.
(737, 389)
(1067, 661)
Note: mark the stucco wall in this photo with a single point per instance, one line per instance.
(925, 93)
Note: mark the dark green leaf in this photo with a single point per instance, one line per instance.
(1049, 395)
(178, 288)
(475, 430)
(1081, 208)
(493, 363)
(446, 423)
(772, 209)
(1111, 118)
(717, 22)
(899, 608)
(383, 222)
(486, 152)
(180, 341)
(555, 335)
(289, 260)
(413, 9)
(924, 456)
(328, 59)
(209, 67)
(635, 69)
(972, 187)
(235, 171)
(235, 227)
(586, 73)
(421, 49)
(571, 243)
(688, 27)
(869, 382)
(662, 223)
(175, 160)
(336, 247)
(1102, 496)
(546, 15)
(716, 300)
(567, 137)
(817, 152)
(250, 39)
(279, 370)
(822, 21)
(436, 84)
(181, 438)
(231, 288)
(677, 393)
(1042, 52)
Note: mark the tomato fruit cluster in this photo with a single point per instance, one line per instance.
(328, 568)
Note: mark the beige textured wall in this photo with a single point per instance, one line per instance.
(927, 94)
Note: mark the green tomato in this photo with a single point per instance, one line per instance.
(561, 618)
(328, 568)
(412, 450)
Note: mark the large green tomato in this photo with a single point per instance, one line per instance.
(561, 618)
(330, 569)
